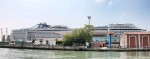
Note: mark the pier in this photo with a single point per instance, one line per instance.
(70, 48)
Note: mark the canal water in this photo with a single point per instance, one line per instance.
(6, 53)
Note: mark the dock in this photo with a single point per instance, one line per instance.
(70, 48)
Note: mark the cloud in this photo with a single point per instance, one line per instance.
(110, 3)
(99, 1)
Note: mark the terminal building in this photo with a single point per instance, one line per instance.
(101, 33)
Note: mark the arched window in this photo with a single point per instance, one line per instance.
(132, 42)
(145, 41)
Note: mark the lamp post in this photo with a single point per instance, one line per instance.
(110, 36)
(110, 40)
(89, 17)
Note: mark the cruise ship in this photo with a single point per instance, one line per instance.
(39, 32)
(119, 28)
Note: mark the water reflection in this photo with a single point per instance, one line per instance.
(55, 54)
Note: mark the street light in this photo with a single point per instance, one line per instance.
(89, 17)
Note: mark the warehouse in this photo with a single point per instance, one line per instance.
(135, 40)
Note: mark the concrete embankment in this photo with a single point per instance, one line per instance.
(47, 47)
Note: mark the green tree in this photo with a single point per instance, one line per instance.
(79, 36)
(68, 39)
(58, 42)
(89, 28)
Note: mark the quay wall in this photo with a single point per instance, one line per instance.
(46, 47)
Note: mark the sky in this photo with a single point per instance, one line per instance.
(17, 14)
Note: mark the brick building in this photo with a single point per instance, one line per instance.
(135, 40)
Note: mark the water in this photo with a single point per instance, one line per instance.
(6, 53)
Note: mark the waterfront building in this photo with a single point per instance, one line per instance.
(135, 40)
(101, 34)
(40, 32)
